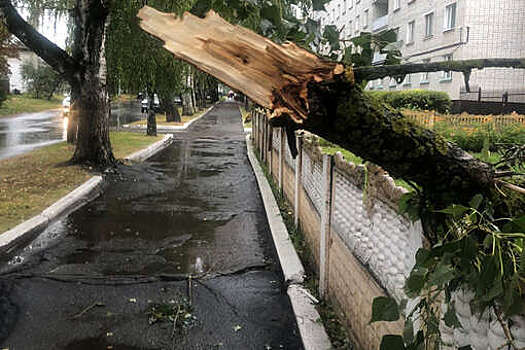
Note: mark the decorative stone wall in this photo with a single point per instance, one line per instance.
(370, 247)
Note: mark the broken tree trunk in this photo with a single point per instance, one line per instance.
(307, 92)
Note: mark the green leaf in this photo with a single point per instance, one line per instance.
(441, 275)
(451, 318)
(476, 201)
(332, 36)
(392, 342)
(515, 225)
(422, 256)
(384, 309)
(455, 210)
(470, 248)
(415, 282)
(408, 331)
(318, 5)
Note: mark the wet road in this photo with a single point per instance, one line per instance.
(192, 209)
(28, 131)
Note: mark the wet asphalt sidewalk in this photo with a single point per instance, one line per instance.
(91, 280)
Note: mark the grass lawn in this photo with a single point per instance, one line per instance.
(31, 182)
(246, 121)
(161, 119)
(16, 104)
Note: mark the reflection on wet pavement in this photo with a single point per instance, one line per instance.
(26, 132)
(192, 209)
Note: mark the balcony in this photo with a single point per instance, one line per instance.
(380, 23)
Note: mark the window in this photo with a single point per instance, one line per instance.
(429, 25)
(410, 32)
(392, 83)
(338, 10)
(357, 23)
(350, 26)
(351, 4)
(447, 75)
(450, 16)
(397, 4)
(408, 79)
(425, 75)
(365, 19)
(344, 7)
(333, 14)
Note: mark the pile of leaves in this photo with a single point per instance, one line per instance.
(178, 312)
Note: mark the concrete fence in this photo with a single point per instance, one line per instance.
(361, 247)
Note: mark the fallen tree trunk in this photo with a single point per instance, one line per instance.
(306, 92)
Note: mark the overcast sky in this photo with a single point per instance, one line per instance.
(54, 30)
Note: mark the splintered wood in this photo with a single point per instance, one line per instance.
(272, 75)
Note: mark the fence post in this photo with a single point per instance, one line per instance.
(325, 223)
(270, 148)
(479, 94)
(282, 143)
(298, 177)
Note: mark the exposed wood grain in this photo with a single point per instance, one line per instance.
(274, 76)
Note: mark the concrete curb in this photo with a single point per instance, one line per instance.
(313, 334)
(168, 128)
(75, 199)
(29, 229)
(152, 149)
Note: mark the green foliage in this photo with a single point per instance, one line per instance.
(361, 52)
(479, 137)
(41, 80)
(415, 99)
(474, 251)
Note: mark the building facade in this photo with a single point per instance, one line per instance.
(437, 30)
(16, 83)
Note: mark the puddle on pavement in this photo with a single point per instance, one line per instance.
(164, 216)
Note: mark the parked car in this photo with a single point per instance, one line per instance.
(145, 104)
(66, 105)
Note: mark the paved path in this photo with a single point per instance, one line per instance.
(194, 208)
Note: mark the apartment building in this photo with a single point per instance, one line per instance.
(437, 30)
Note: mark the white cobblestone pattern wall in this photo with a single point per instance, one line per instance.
(312, 174)
(276, 141)
(382, 240)
(288, 155)
(483, 333)
(386, 243)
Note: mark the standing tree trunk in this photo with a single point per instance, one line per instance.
(151, 129)
(89, 90)
(167, 105)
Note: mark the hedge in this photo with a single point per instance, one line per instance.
(415, 99)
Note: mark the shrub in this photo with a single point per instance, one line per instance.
(415, 99)
(473, 138)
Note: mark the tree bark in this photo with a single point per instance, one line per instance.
(151, 129)
(306, 92)
(168, 107)
(89, 95)
(379, 72)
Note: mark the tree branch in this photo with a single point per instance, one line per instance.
(379, 72)
(306, 92)
(53, 55)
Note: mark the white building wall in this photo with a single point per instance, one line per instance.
(15, 68)
(484, 29)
